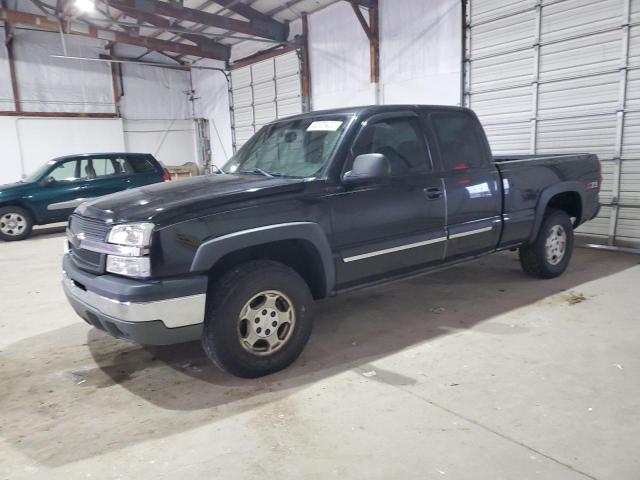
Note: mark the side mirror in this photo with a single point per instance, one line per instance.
(47, 181)
(368, 167)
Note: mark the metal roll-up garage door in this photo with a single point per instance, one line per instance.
(263, 92)
(563, 76)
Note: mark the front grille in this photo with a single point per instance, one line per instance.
(93, 229)
(88, 256)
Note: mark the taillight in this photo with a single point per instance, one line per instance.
(600, 173)
(165, 175)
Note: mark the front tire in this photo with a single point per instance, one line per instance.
(258, 319)
(15, 223)
(549, 255)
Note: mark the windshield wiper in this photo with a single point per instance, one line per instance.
(261, 172)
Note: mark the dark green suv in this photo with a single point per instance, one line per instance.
(51, 193)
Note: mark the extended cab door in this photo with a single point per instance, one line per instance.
(474, 195)
(385, 226)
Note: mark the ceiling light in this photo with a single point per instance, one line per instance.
(85, 6)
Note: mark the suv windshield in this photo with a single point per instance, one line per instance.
(296, 148)
(36, 175)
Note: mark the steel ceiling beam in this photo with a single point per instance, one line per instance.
(77, 28)
(259, 28)
(218, 49)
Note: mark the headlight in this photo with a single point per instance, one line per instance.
(129, 266)
(133, 234)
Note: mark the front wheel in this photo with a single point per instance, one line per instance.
(549, 255)
(15, 223)
(258, 319)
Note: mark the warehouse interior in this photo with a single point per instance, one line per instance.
(470, 372)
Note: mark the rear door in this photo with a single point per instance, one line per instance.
(471, 181)
(393, 224)
(141, 170)
(103, 176)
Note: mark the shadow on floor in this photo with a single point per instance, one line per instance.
(70, 395)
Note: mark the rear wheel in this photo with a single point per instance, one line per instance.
(548, 256)
(258, 319)
(15, 223)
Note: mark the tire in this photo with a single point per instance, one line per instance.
(549, 255)
(253, 297)
(15, 223)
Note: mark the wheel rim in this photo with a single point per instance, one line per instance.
(266, 322)
(12, 224)
(556, 245)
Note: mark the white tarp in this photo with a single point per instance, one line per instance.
(339, 59)
(420, 51)
(212, 103)
(48, 84)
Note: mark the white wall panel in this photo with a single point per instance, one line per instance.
(504, 34)
(339, 58)
(65, 136)
(500, 71)
(570, 18)
(173, 142)
(579, 96)
(420, 50)
(590, 54)
(573, 69)
(485, 10)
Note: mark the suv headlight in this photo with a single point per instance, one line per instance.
(132, 234)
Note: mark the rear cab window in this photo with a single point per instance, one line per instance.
(458, 139)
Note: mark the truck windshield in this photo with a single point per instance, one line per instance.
(296, 148)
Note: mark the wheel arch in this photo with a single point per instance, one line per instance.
(566, 196)
(302, 246)
(24, 206)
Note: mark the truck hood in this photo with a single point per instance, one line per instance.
(163, 203)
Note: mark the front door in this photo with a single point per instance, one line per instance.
(394, 224)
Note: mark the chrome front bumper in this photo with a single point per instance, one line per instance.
(173, 312)
(153, 313)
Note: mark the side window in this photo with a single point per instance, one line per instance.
(137, 165)
(65, 172)
(399, 139)
(92, 168)
(458, 140)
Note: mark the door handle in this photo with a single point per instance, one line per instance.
(433, 193)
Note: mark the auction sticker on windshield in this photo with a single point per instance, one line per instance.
(324, 126)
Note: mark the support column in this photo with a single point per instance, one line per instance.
(306, 66)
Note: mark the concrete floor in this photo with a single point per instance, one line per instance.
(477, 372)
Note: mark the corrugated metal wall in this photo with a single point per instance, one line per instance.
(563, 76)
(262, 92)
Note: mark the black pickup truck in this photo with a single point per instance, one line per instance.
(312, 206)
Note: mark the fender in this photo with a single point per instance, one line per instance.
(213, 250)
(550, 192)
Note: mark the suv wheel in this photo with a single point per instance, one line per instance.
(549, 255)
(15, 223)
(258, 319)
